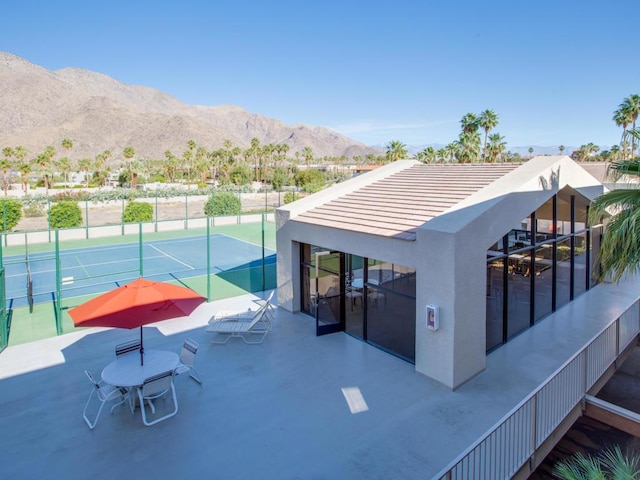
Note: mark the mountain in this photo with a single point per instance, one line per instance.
(41, 107)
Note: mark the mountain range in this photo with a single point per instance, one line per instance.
(41, 107)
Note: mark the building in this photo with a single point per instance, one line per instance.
(488, 250)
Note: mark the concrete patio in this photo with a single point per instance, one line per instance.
(274, 410)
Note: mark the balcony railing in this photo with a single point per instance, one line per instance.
(507, 446)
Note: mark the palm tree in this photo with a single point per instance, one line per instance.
(561, 149)
(496, 146)
(25, 170)
(620, 245)
(85, 165)
(469, 123)
(530, 150)
(44, 161)
(307, 153)
(610, 464)
(396, 150)
(622, 119)
(128, 153)
(487, 121)
(631, 107)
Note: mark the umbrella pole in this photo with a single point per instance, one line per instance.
(141, 348)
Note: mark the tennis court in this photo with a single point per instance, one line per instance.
(93, 270)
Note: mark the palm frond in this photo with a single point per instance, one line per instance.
(620, 466)
(620, 168)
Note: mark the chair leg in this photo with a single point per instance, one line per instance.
(194, 374)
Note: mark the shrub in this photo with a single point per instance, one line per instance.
(65, 215)
(10, 214)
(136, 212)
(290, 197)
(279, 178)
(34, 210)
(240, 175)
(222, 203)
(310, 180)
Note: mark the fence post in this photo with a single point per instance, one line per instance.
(140, 247)
(208, 261)
(156, 215)
(4, 333)
(122, 217)
(186, 210)
(86, 217)
(58, 286)
(49, 218)
(264, 283)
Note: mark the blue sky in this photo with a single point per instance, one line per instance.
(554, 71)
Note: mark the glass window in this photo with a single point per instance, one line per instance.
(580, 276)
(495, 309)
(563, 272)
(543, 281)
(596, 233)
(519, 293)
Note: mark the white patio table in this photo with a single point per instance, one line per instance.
(126, 371)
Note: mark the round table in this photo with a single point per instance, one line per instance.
(126, 371)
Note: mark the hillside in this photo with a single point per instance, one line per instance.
(41, 107)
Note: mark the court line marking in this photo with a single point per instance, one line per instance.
(81, 265)
(172, 257)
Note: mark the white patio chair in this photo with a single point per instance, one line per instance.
(154, 388)
(105, 393)
(257, 326)
(187, 359)
(128, 347)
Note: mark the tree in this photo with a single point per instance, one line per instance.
(396, 150)
(487, 120)
(85, 165)
(620, 244)
(530, 150)
(622, 118)
(10, 214)
(65, 215)
(136, 212)
(307, 153)
(44, 162)
(223, 203)
(609, 464)
(561, 149)
(129, 153)
(468, 145)
(5, 166)
(64, 164)
(496, 146)
(631, 107)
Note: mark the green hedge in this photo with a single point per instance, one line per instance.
(136, 212)
(11, 212)
(223, 203)
(65, 215)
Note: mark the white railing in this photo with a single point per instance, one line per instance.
(507, 446)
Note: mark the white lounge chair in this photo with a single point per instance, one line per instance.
(248, 314)
(153, 388)
(105, 393)
(246, 325)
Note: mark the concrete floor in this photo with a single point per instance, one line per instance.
(275, 410)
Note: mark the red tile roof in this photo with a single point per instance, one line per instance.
(397, 205)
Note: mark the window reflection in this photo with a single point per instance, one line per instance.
(546, 269)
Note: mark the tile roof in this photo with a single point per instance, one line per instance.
(397, 205)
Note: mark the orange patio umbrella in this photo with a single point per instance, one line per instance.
(136, 304)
